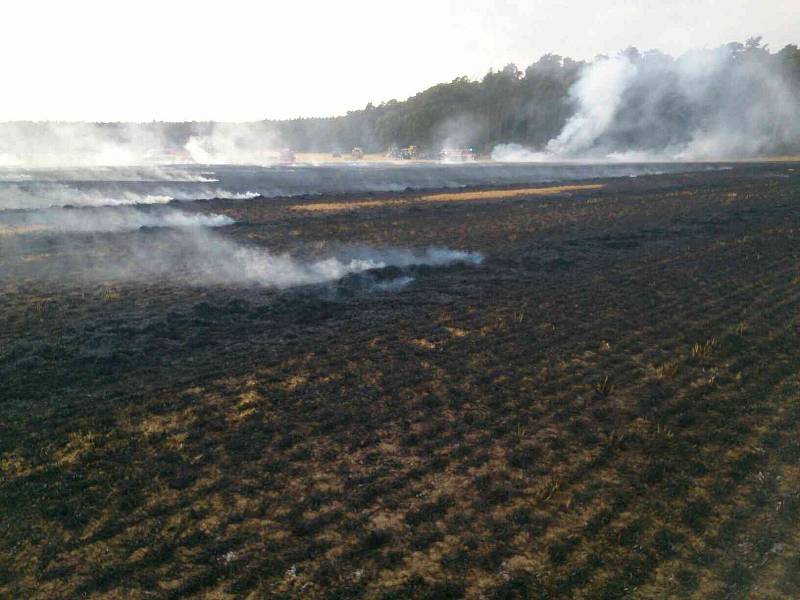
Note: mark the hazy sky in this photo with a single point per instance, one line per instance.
(236, 60)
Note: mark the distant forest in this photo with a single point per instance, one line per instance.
(740, 87)
(528, 107)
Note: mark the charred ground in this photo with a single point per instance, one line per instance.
(608, 406)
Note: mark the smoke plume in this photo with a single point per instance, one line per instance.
(732, 102)
(237, 144)
(598, 94)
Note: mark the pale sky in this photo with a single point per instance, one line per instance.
(236, 60)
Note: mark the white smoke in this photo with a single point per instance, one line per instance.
(227, 263)
(730, 102)
(211, 193)
(598, 93)
(236, 143)
(518, 153)
(14, 197)
(392, 285)
(199, 256)
(104, 220)
(46, 195)
(76, 144)
(107, 173)
(98, 145)
(457, 132)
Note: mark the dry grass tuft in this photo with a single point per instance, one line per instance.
(446, 197)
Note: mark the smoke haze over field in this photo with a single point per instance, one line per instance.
(193, 255)
(30, 195)
(735, 101)
(27, 144)
(236, 144)
(92, 224)
(106, 219)
(117, 173)
(76, 144)
(16, 197)
(711, 104)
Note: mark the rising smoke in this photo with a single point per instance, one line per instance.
(731, 102)
(458, 132)
(736, 101)
(236, 144)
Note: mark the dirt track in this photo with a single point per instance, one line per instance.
(607, 407)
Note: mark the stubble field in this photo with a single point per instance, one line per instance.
(608, 406)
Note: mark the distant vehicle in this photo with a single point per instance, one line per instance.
(458, 155)
(393, 153)
(357, 153)
(408, 153)
(286, 156)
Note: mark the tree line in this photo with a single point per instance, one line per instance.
(735, 88)
(531, 106)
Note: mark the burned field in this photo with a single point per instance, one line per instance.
(607, 406)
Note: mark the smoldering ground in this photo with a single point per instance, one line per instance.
(196, 256)
(118, 173)
(45, 194)
(105, 219)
